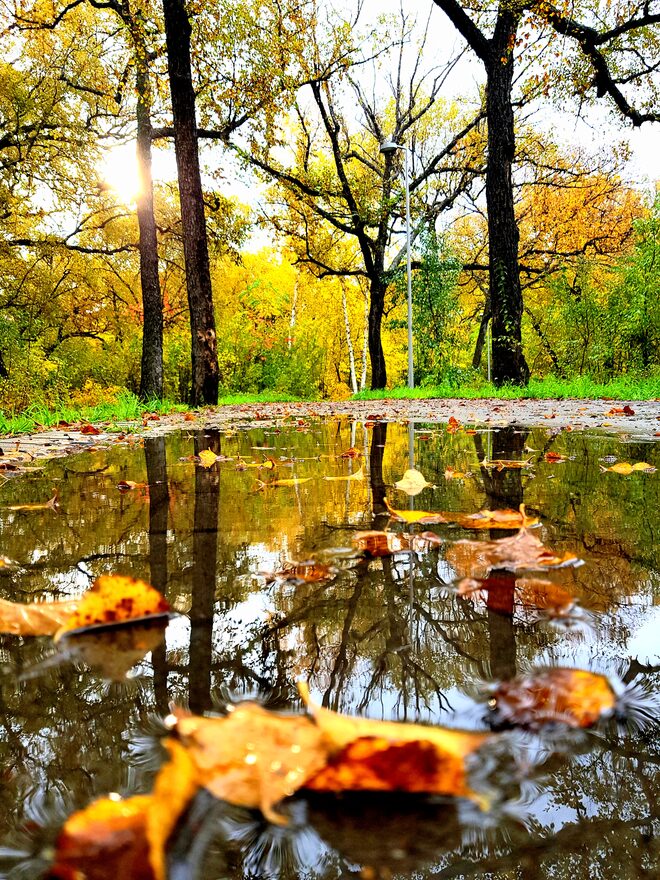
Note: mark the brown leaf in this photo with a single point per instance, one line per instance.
(569, 696)
(303, 572)
(35, 618)
(521, 552)
(115, 599)
(387, 756)
(500, 464)
(253, 758)
(89, 429)
(376, 543)
(501, 592)
(351, 452)
(453, 425)
(555, 456)
(493, 519)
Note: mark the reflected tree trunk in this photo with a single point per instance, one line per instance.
(376, 452)
(205, 551)
(156, 461)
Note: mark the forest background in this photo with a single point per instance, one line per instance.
(304, 216)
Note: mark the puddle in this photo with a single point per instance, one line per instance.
(394, 637)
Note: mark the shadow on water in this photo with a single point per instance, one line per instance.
(391, 637)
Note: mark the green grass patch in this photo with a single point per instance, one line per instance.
(125, 408)
(550, 388)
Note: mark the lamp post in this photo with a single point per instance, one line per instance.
(386, 148)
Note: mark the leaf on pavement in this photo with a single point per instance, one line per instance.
(412, 482)
(568, 696)
(521, 552)
(115, 599)
(368, 755)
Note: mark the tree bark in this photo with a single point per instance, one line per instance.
(195, 246)
(376, 355)
(509, 364)
(151, 376)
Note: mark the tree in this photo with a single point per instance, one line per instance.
(618, 54)
(335, 188)
(195, 247)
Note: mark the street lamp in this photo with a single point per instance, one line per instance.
(387, 148)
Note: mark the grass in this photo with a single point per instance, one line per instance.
(126, 408)
(550, 388)
(262, 397)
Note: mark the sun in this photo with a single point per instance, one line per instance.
(118, 172)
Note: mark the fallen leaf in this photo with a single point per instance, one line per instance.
(493, 519)
(129, 485)
(451, 474)
(503, 593)
(89, 429)
(115, 599)
(521, 552)
(500, 464)
(412, 482)
(375, 543)
(625, 468)
(414, 516)
(568, 696)
(303, 572)
(207, 458)
(125, 838)
(52, 504)
(291, 481)
(113, 652)
(253, 757)
(368, 755)
(453, 425)
(351, 452)
(358, 475)
(555, 456)
(35, 618)
(189, 417)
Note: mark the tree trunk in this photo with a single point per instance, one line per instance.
(376, 355)
(349, 341)
(509, 363)
(481, 336)
(151, 376)
(195, 247)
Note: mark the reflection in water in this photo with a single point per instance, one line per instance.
(391, 637)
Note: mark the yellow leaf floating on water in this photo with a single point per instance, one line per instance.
(291, 481)
(368, 755)
(35, 618)
(521, 552)
(115, 599)
(412, 482)
(253, 758)
(568, 696)
(625, 468)
(358, 475)
(207, 458)
(415, 516)
(493, 519)
(115, 838)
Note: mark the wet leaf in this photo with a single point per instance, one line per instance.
(501, 592)
(389, 756)
(207, 458)
(89, 429)
(35, 618)
(290, 481)
(625, 468)
(568, 696)
(453, 425)
(114, 599)
(621, 411)
(521, 552)
(113, 652)
(375, 543)
(451, 474)
(555, 456)
(253, 758)
(412, 482)
(493, 519)
(351, 452)
(114, 838)
(500, 464)
(415, 516)
(129, 485)
(358, 475)
(52, 504)
(303, 572)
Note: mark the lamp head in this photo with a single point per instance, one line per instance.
(389, 146)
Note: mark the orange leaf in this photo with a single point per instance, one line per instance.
(115, 599)
(352, 452)
(493, 519)
(89, 429)
(36, 618)
(521, 552)
(303, 572)
(500, 464)
(253, 757)
(376, 543)
(415, 516)
(387, 756)
(453, 425)
(570, 696)
(114, 838)
(555, 456)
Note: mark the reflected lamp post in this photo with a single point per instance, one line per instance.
(387, 148)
